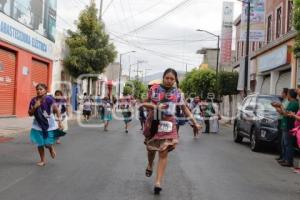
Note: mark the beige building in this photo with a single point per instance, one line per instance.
(272, 64)
(209, 57)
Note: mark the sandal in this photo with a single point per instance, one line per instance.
(148, 173)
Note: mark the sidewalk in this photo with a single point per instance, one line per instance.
(10, 126)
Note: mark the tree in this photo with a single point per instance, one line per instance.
(127, 90)
(199, 82)
(135, 88)
(90, 49)
(297, 25)
(228, 82)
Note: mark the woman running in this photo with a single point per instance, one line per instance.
(62, 106)
(126, 106)
(160, 130)
(107, 112)
(43, 108)
(142, 116)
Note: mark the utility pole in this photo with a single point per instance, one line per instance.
(138, 68)
(100, 10)
(247, 48)
(146, 73)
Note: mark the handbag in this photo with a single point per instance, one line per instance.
(151, 125)
(59, 133)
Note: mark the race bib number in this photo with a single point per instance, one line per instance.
(165, 126)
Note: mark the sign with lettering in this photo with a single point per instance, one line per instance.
(15, 33)
(273, 59)
(257, 20)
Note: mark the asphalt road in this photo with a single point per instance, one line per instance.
(96, 165)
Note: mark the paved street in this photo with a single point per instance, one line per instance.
(92, 164)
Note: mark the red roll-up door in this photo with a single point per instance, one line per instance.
(7, 82)
(39, 74)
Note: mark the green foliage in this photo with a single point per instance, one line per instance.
(228, 82)
(297, 24)
(135, 88)
(127, 90)
(89, 48)
(199, 82)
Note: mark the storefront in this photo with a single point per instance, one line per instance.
(26, 59)
(274, 70)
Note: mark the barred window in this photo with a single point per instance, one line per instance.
(290, 15)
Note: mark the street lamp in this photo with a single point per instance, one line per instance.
(218, 55)
(218, 49)
(120, 72)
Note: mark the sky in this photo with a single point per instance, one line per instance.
(171, 41)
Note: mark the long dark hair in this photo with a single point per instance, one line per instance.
(172, 71)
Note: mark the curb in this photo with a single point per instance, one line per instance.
(15, 132)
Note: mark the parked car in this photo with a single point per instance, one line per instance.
(258, 121)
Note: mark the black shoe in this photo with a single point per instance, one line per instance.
(148, 173)
(281, 161)
(286, 164)
(279, 158)
(157, 190)
(126, 131)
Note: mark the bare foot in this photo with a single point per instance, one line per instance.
(52, 152)
(41, 164)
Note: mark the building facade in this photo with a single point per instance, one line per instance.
(26, 52)
(272, 64)
(209, 58)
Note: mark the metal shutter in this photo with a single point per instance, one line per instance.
(284, 81)
(265, 89)
(7, 82)
(39, 74)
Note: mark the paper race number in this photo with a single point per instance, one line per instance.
(165, 126)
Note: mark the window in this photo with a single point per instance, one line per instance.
(242, 49)
(290, 15)
(238, 51)
(253, 46)
(278, 22)
(269, 29)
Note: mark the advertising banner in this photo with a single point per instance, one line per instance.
(257, 21)
(38, 15)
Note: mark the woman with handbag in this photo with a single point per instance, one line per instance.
(43, 108)
(160, 130)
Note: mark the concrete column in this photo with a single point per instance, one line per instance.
(293, 72)
(274, 80)
(259, 82)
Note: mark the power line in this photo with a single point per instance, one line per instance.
(161, 16)
(156, 53)
(107, 7)
(142, 12)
